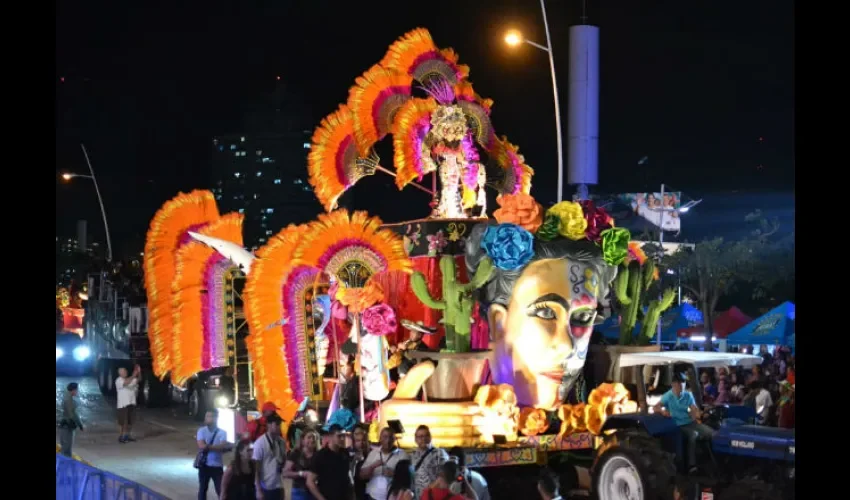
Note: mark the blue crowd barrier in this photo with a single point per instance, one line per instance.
(78, 481)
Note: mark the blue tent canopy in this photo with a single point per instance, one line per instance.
(673, 320)
(777, 326)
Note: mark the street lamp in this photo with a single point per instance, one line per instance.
(68, 176)
(514, 38)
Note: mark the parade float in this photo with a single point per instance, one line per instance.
(506, 305)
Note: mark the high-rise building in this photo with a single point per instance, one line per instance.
(264, 177)
(261, 171)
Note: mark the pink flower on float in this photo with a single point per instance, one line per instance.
(380, 319)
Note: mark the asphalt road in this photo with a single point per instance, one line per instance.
(162, 457)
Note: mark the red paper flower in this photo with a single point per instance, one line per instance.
(598, 220)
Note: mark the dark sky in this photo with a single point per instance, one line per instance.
(704, 89)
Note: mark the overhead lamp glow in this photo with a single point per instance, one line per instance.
(513, 38)
(59, 353)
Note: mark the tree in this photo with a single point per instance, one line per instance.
(715, 268)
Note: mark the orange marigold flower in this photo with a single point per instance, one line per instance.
(519, 209)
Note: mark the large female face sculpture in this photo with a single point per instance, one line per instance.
(542, 315)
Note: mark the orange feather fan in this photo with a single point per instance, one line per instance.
(333, 164)
(167, 232)
(465, 92)
(517, 175)
(351, 248)
(190, 282)
(412, 123)
(415, 54)
(374, 100)
(263, 299)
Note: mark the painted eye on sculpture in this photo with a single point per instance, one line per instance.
(581, 317)
(545, 312)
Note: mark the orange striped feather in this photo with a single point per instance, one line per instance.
(167, 228)
(192, 262)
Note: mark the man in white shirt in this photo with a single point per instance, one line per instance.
(125, 389)
(763, 401)
(269, 457)
(379, 466)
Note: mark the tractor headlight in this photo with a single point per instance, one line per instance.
(59, 353)
(82, 353)
(222, 402)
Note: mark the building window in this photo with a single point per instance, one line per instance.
(268, 232)
(233, 147)
(266, 159)
(242, 139)
(277, 181)
(259, 174)
(262, 240)
(237, 174)
(306, 145)
(218, 197)
(256, 196)
(269, 210)
(298, 181)
(221, 147)
(259, 152)
(241, 210)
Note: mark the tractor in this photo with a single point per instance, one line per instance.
(641, 456)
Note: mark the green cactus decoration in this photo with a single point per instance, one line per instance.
(631, 286)
(457, 302)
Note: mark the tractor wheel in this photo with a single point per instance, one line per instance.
(632, 466)
(196, 404)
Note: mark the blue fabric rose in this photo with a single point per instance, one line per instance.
(342, 417)
(508, 245)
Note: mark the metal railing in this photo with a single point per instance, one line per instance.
(78, 481)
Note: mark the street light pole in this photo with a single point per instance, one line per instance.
(100, 201)
(558, 136)
(514, 38)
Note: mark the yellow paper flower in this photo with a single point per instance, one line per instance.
(573, 224)
(533, 421)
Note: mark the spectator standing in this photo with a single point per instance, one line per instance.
(763, 401)
(441, 488)
(269, 456)
(401, 486)
(426, 460)
(785, 407)
(548, 486)
(238, 480)
(329, 479)
(212, 442)
(70, 421)
(299, 462)
(379, 466)
(475, 479)
(257, 427)
(358, 454)
(125, 390)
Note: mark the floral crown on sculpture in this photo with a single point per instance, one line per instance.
(510, 244)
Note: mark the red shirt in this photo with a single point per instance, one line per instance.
(256, 428)
(439, 494)
(786, 415)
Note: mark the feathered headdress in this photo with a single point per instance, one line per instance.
(168, 232)
(271, 346)
(415, 54)
(199, 332)
(333, 164)
(374, 100)
(411, 155)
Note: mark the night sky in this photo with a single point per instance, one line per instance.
(704, 89)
